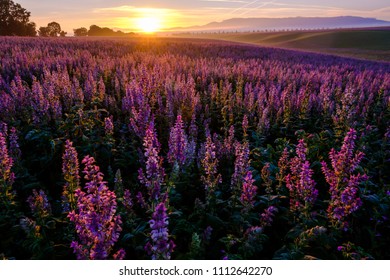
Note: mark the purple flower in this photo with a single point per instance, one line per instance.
(245, 125)
(39, 204)
(178, 144)
(241, 165)
(70, 170)
(97, 226)
(160, 247)
(225, 255)
(4, 129)
(266, 218)
(345, 161)
(387, 134)
(283, 164)
(39, 104)
(108, 126)
(265, 175)
(70, 163)
(7, 177)
(127, 201)
(228, 143)
(343, 183)
(28, 225)
(193, 129)
(192, 139)
(207, 233)
(211, 178)
(299, 182)
(120, 255)
(14, 149)
(248, 191)
(140, 119)
(141, 200)
(153, 177)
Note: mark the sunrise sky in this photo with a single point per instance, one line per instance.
(128, 15)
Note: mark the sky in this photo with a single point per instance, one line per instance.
(125, 15)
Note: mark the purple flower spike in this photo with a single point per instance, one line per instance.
(241, 164)
(245, 125)
(108, 126)
(14, 149)
(70, 170)
(267, 217)
(248, 191)
(211, 178)
(160, 247)
(6, 175)
(120, 255)
(178, 144)
(153, 177)
(39, 204)
(343, 183)
(97, 226)
(303, 193)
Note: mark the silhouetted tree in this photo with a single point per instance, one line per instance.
(43, 31)
(79, 32)
(53, 29)
(63, 33)
(95, 30)
(15, 20)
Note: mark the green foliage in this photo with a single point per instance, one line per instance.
(15, 20)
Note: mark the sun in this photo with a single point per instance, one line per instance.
(148, 24)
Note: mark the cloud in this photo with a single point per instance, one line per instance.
(225, 1)
(275, 9)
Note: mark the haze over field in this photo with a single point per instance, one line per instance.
(278, 24)
(131, 15)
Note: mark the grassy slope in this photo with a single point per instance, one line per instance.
(361, 43)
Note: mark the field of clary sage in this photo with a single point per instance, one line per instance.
(157, 148)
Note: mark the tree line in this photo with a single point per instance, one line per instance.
(15, 21)
(95, 30)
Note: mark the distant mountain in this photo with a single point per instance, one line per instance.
(262, 24)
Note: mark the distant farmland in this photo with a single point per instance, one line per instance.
(370, 43)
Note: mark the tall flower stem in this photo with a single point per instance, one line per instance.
(97, 226)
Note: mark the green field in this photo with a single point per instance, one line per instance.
(373, 44)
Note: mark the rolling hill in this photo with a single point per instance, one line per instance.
(278, 24)
(365, 43)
